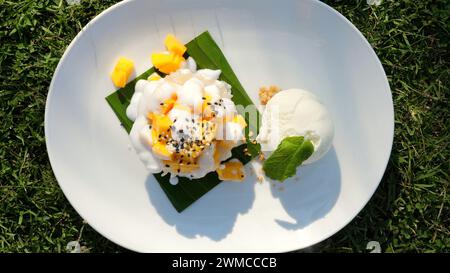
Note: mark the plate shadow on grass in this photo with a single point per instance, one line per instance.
(312, 194)
(212, 216)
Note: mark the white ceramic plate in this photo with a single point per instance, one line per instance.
(303, 44)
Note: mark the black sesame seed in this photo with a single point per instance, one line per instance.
(178, 170)
(175, 120)
(159, 136)
(188, 163)
(180, 131)
(167, 165)
(193, 121)
(208, 103)
(216, 103)
(203, 98)
(161, 103)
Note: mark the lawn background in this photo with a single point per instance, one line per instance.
(408, 213)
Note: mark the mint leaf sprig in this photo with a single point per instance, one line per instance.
(290, 153)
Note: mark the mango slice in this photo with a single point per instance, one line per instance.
(222, 146)
(167, 105)
(160, 123)
(122, 71)
(183, 167)
(174, 45)
(232, 170)
(160, 149)
(172, 66)
(166, 62)
(160, 59)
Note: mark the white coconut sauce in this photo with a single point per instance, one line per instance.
(190, 87)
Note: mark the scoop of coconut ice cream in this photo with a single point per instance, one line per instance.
(296, 112)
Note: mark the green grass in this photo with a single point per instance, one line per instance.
(408, 213)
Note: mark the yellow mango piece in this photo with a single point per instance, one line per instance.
(183, 167)
(232, 170)
(150, 116)
(119, 78)
(159, 136)
(160, 59)
(122, 71)
(166, 62)
(160, 123)
(167, 106)
(174, 45)
(155, 135)
(222, 147)
(154, 77)
(160, 149)
(208, 98)
(172, 66)
(167, 68)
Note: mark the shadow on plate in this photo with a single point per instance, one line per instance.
(312, 194)
(212, 216)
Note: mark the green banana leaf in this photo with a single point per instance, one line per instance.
(207, 54)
